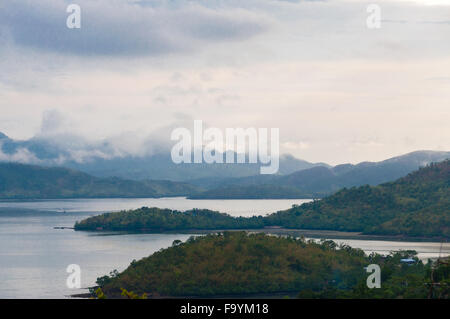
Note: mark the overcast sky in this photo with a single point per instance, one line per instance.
(338, 91)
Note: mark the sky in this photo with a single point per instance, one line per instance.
(338, 91)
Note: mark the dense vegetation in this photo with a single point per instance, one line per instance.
(237, 263)
(19, 181)
(398, 280)
(155, 219)
(416, 205)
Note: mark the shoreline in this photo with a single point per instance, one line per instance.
(275, 295)
(310, 233)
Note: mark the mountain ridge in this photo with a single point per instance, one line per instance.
(22, 181)
(320, 181)
(103, 160)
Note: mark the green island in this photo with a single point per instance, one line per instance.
(416, 205)
(239, 263)
(164, 220)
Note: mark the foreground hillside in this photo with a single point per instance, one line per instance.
(416, 205)
(19, 181)
(236, 263)
(241, 264)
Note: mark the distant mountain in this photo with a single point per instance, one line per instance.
(296, 179)
(321, 181)
(374, 173)
(415, 205)
(19, 181)
(39, 149)
(290, 164)
(104, 162)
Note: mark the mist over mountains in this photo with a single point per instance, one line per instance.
(111, 158)
(296, 178)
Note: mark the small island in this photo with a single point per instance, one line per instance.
(165, 220)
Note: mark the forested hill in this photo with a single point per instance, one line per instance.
(236, 263)
(415, 205)
(19, 181)
(239, 264)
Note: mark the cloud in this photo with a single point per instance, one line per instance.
(124, 28)
(52, 122)
(295, 146)
(56, 143)
(21, 155)
(311, 68)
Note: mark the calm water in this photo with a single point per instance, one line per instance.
(240, 207)
(34, 256)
